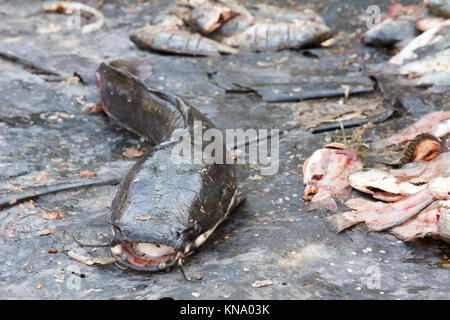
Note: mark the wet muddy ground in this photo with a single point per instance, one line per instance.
(46, 141)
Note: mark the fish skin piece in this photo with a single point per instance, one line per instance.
(429, 79)
(390, 32)
(434, 63)
(426, 223)
(325, 175)
(378, 182)
(275, 35)
(424, 171)
(429, 37)
(439, 8)
(380, 216)
(427, 23)
(433, 123)
(439, 187)
(210, 16)
(176, 40)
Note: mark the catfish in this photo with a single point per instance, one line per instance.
(163, 209)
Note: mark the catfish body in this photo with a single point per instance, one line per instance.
(162, 209)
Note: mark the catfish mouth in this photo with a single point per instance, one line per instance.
(145, 256)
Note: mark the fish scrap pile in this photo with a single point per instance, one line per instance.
(212, 27)
(414, 197)
(423, 57)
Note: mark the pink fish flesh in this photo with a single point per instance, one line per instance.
(325, 175)
(380, 216)
(426, 223)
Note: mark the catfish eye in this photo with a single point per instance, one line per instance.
(317, 177)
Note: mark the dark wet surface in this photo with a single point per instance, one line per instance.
(272, 236)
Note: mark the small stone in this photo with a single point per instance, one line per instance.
(262, 283)
(195, 294)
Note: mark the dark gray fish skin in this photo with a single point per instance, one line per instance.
(182, 201)
(390, 32)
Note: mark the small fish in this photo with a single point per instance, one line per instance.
(176, 40)
(435, 123)
(421, 172)
(210, 16)
(276, 35)
(439, 8)
(432, 221)
(325, 175)
(382, 185)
